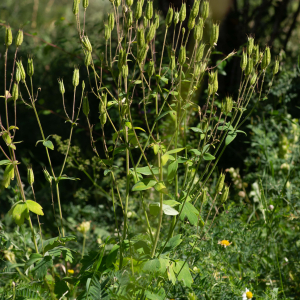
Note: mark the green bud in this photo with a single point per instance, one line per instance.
(75, 80)
(76, 7)
(250, 45)
(151, 33)
(182, 55)
(249, 66)
(253, 79)
(88, 58)
(266, 58)
(61, 86)
(195, 9)
(8, 36)
(85, 4)
(141, 37)
(19, 38)
(86, 43)
(276, 67)
(107, 32)
(182, 13)
(129, 2)
(30, 68)
(139, 9)
(30, 176)
(151, 68)
(15, 92)
(220, 183)
(125, 71)
(191, 23)
(85, 106)
(176, 18)
(205, 10)
(198, 31)
(111, 21)
(214, 36)
(18, 74)
(227, 105)
(149, 10)
(172, 64)
(199, 53)
(47, 176)
(169, 17)
(256, 55)
(225, 194)
(156, 21)
(142, 54)
(244, 60)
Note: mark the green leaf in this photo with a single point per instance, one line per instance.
(40, 270)
(164, 79)
(185, 274)
(196, 129)
(174, 151)
(230, 137)
(174, 93)
(57, 241)
(195, 151)
(34, 257)
(172, 170)
(163, 114)
(144, 184)
(34, 207)
(64, 251)
(173, 243)
(60, 287)
(190, 212)
(19, 212)
(146, 170)
(208, 156)
(4, 162)
(138, 82)
(151, 266)
(48, 144)
(170, 211)
(112, 256)
(154, 209)
(171, 202)
(12, 127)
(65, 177)
(139, 128)
(161, 187)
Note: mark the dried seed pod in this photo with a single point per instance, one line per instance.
(149, 10)
(220, 183)
(182, 55)
(125, 71)
(151, 68)
(172, 64)
(253, 79)
(8, 36)
(75, 80)
(191, 22)
(86, 43)
(87, 58)
(169, 17)
(141, 37)
(85, 4)
(266, 58)
(227, 105)
(47, 176)
(129, 2)
(249, 66)
(256, 55)
(18, 74)
(205, 10)
(30, 176)
(139, 9)
(250, 45)
(30, 67)
(151, 33)
(107, 32)
(182, 13)
(156, 20)
(199, 53)
(225, 194)
(276, 67)
(244, 60)
(195, 9)
(15, 92)
(111, 21)
(214, 36)
(176, 18)
(198, 31)
(61, 86)
(85, 106)
(19, 38)
(142, 54)
(76, 7)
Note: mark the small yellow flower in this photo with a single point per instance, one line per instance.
(71, 271)
(249, 295)
(224, 243)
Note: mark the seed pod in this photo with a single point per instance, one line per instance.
(172, 64)
(210, 89)
(111, 21)
(30, 176)
(215, 83)
(125, 71)
(220, 183)
(47, 176)
(76, 7)
(22, 70)
(195, 9)
(15, 92)
(107, 32)
(182, 55)
(18, 74)
(141, 37)
(85, 4)
(145, 22)
(249, 66)
(129, 2)
(169, 17)
(191, 23)
(61, 86)
(83, 85)
(253, 79)
(227, 105)
(75, 80)
(86, 43)
(102, 109)
(266, 58)
(156, 21)
(85, 106)
(183, 32)
(149, 10)
(205, 10)
(118, 3)
(8, 36)
(142, 53)
(204, 125)
(182, 13)
(129, 20)
(30, 68)
(244, 60)
(250, 45)
(276, 67)
(197, 70)
(151, 68)
(88, 58)
(176, 18)
(139, 9)
(198, 31)
(199, 53)
(225, 194)
(203, 197)
(122, 59)
(255, 54)
(19, 38)
(214, 36)
(151, 33)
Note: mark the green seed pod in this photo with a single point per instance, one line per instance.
(182, 55)
(122, 59)
(225, 194)
(125, 71)
(145, 22)
(118, 3)
(142, 54)
(102, 109)
(183, 32)
(199, 53)
(151, 33)
(176, 18)
(85, 106)
(182, 13)
(203, 67)
(156, 21)
(253, 79)
(255, 54)
(276, 67)
(83, 85)
(215, 83)
(266, 59)
(214, 36)
(205, 10)
(149, 10)
(61, 86)
(19, 38)
(47, 176)
(220, 183)
(75, 80)
(107, 32)
(151, 68)
(111, 21)
(22, 70)
(86, 43)
(88, 58)
(141, 37)
(129, 2)
(8, 36)
(210, 89)
(30, 68)
(250, 45)
(129, 20)
(195, 9)
(197, 70)
(249, 66)
(169, 17)
(76, 7)
(198, 31)
(204, 125)
(139, 9)
(244, 60)
(172, 64)
(227, 105)
(15, 92)
(18, 74)
(191, 23)
(203, 197)
(30, 176)
(85, 4)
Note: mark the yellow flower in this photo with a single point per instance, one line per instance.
(249, 295)
(224, 243)
(71, 271)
